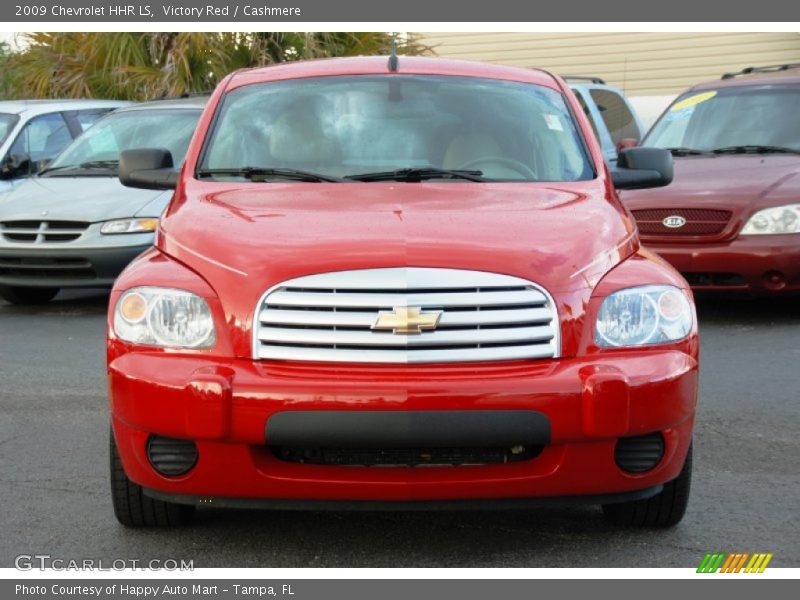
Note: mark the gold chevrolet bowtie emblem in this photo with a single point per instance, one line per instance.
(407, 320)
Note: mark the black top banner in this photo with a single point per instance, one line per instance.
(452, 11)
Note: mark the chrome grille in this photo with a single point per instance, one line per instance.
(37, 232)
(330, 317)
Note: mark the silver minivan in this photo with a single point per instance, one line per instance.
(74, 224)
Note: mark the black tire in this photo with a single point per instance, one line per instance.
(133, 509)
(665, 509)
(27, 295)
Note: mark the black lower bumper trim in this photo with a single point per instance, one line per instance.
(408, 457)
(402, 505)
(65, 267)
(407, 428)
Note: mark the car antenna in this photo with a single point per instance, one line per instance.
(393, 61)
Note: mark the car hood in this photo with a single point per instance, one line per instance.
(91, 199)
(246, 239)
(742, 183)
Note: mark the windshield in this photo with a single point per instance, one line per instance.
(365, 126)
(729, 117)
(102, 143)
(7, 122)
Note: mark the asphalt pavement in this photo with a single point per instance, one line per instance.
(54, 496)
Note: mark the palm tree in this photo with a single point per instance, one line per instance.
(137, 66)
(5, 83)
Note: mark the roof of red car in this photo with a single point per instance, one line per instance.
(768, 77)
(379, 65)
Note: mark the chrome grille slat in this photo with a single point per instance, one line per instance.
(48, 231)
(329, 317)
(449, 355)
(37, 232)
(366, 319)
(444, 298)
(440, 337)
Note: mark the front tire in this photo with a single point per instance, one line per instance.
(24, 296)
(665, 509)
(133, 508)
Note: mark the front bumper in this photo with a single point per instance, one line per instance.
(759, 265)
(226, 406)
(76, 267)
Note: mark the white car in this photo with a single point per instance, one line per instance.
(33, 132)
(74, 224)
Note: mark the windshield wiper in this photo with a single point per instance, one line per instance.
(755, 149)
(255, 173)
(682, 151)
(105, 165)
(51, 169)
(416, 174)
(100, 164)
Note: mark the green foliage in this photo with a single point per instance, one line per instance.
(5, 80)
(138, 66)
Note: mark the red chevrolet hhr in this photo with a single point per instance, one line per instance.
(399, 284)
(731, 219)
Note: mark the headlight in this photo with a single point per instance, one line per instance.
(650, 314)
(779, 219)
(164, 317)
(129, 226)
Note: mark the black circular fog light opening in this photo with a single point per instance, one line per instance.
(639, 454)
(170, 456)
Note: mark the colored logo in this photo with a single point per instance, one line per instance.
(739, 562)
(674, 221)
(407, 321)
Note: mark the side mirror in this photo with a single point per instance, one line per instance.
(15, 165)
(626, 143)
(640, 168)
(147, 168)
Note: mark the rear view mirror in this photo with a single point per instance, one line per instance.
(640, 168)
(147, 168)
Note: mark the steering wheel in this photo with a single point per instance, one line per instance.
(511, 163)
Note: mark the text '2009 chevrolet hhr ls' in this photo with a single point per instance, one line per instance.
(418, 264)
